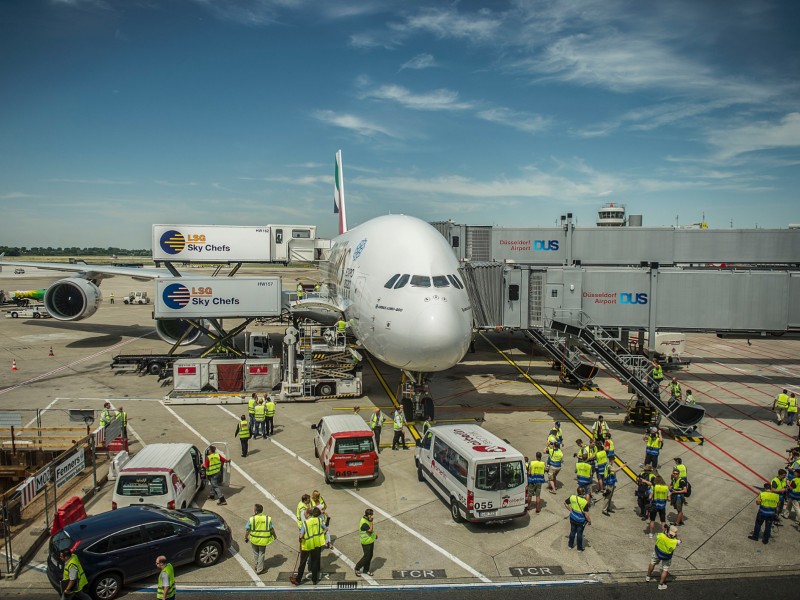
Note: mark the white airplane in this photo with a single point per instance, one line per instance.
(394, 279)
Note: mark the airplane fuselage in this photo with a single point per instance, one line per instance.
(397, 281)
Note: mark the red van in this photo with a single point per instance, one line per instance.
(345, 447)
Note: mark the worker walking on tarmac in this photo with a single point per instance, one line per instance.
(677, 492)
(780, 405)
(300, 291)
(399, 424)
(555, 458)
(213, 466)
(243, 433)
(261, 419)
(583, 471)
(656, 376)
(535, 480)
(601, 461)
(791, 409)
(654, 442)
(375, 424)
(610, 484)
(658, 499)
(767, 511)
(312, 539)
(675, 390)
(260, 533)
(608, 445)
(302, 506)
(366, 531)
(269, 416)
(251, 410)
(111, 298)
(599, 429)
(165, 586)
(578, 507)
(74, 580)
(662, 553)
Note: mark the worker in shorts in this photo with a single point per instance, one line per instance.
(662, 553)
(677, 494)
(658, 503)
(535, 481)
(555, 457)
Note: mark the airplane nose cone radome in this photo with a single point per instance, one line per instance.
(442, 333)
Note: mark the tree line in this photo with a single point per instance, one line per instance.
(22, 251)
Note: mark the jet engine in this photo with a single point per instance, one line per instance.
(171, 330)
(72, 299)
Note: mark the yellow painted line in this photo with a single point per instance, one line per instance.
(582, 420)
(555, 402)
(413, 430)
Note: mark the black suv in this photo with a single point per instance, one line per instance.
(121, 546)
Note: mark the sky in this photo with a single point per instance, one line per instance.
(119, 114)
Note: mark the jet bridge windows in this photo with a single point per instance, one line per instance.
(420, 281)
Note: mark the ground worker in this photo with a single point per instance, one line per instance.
(655, 442)
(165, 586)
(243, 433)
(251, 410)
(656, 376)
(122, 416)
(106, 415)
(213, 466)
(600, 428)
(681, 468)
(658, 498)
(552, 437)
(601, 461)
(609, 447)
(74, 580)
(375, 424)
(399, 435)
(269, 416)
(793, 496)
(663, 551)
(300, 291)
(644, 484)
(111, 298)
(426, 425)
(675, 390)
(578, 507)
(677, 493)
(689, 398)
(778, 485)
(366, 531)
(610, 484)
(559, 432)
(312, 539)
(535, 481)
(791, 409)
(260, 533)
(302, 506)
(767, 511)
(261, 419)
(779, 405)
(317, 501)
(341, 327)
(583, 471)
(555, 457)
(583, 450)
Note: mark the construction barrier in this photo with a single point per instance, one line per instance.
(70, 512)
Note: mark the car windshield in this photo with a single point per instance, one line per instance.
(356, 445)
(499, 476)
(142, 485)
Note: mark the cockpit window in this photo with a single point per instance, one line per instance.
(401, 282)
(455, 281)
(420, 281)
(440, 281)
(391, 281)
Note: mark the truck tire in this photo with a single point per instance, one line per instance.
(154, 368)
(126, 301)
(420, 476)
(326, 389)
(36, 315)
(15, 315)
(455, 512)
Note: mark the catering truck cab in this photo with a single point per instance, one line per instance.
(345, 447)
(480, 476)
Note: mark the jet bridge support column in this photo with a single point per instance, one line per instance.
(651, 325)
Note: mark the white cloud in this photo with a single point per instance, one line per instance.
(93, 181)
(420, 61)
(527, 122)
(352, 123)
(762, 135)
(449, 23)
(441, 99)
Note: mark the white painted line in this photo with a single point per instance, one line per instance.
(44, 410)
(263, 490)
(419, 536)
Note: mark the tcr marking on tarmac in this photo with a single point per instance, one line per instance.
(535, 571)
(420, 574)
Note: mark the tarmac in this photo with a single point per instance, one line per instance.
(505, 386)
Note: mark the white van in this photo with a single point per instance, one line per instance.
(479, 475)
(166, 475)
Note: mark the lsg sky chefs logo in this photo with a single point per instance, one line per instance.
(616, 297)
(177, 295)
(528, 245)
(175, 242)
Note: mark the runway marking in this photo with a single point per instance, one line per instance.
(264, 491)
(394, 520)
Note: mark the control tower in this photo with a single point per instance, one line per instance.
(611, 215)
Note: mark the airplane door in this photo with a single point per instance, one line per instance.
(553, 300)
(366, 321)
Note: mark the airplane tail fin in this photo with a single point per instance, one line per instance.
(338, 194)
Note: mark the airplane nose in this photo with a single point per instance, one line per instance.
(442, 335)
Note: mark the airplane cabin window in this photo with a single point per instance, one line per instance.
(401, 282)
(391, 281)
(420, 281)
(440, 281)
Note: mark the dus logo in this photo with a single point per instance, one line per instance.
(176, 295)
(545, 244)
(631, 298)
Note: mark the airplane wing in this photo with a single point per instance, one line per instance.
(93, 272)
(320, 309)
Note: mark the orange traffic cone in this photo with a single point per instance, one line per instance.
(13, 365)
(51, 352)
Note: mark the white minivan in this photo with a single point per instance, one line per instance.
(479, 475)
(166, 475)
